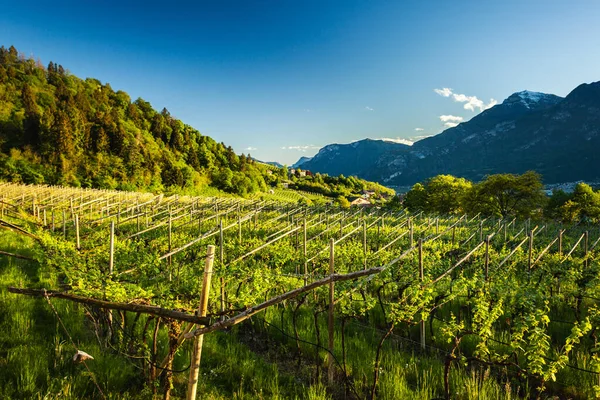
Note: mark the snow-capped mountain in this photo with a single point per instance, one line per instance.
(557, 137)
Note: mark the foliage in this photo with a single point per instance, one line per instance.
(583, 205)
(507, 194)
(442, 194)
(58, 129)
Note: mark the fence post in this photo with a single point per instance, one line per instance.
(487, 256)
(560, 240)
(585, 248)
(170, 244)
(330, 361)
(410, 226)
(421, 277)
(199, 340)
(222, 267)
(365, 243)
(530, 248)
(77, 231)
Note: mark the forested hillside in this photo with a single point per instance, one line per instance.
(57, 128)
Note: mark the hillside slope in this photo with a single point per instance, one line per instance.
(59, 129)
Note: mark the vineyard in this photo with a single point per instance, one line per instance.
(207, 297)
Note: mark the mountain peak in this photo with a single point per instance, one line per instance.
(530, 99)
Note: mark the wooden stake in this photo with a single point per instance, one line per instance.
(330, 361)
(560, 241)
(64, 220)
(77, 231)
(487, 256)
(365, 243)
(410, 226)
(421, 277)
(585, 248)
(198, 341)
(222, 266)
(111, 257)
(481, 231)
(530, 248)
(170, 243)
(304, 250)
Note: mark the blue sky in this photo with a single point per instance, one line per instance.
(279, 79)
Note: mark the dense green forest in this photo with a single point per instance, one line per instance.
(56, 128)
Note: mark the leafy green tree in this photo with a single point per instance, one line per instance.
(507, 194)
(446, 193)
(416, 198)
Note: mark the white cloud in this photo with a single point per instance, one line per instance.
(368, 108)
(419, 129)
(491, 104)
(451, 118)
(408, 141)
(471, 102)
(251, 148)
(301, 148)
(307, 110)
(446, 92)
(450, 121)
(398, 140)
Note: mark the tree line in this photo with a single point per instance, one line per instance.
(504, 195)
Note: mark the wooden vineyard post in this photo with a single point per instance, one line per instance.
(255, 217)
(530, 248)
(111, 257)
(222, 267)
(45, 220)
(342, 226)
(170, 243)
(437, 226)
(304, 250)
(77, 231)
(410, 228)
(504, 231)
(585, 248)
(453, 235)
(111, 265)
(53, 221)
(481, 231)
(64, 221)
(330, 361)
(487, 256)
(365, 243)
(199, 340)
(239, 226)
(421, 278)
(560, 240)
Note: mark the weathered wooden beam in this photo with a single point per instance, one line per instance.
(139, 308)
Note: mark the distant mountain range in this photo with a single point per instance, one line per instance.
(301, 161)
(557, 137)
